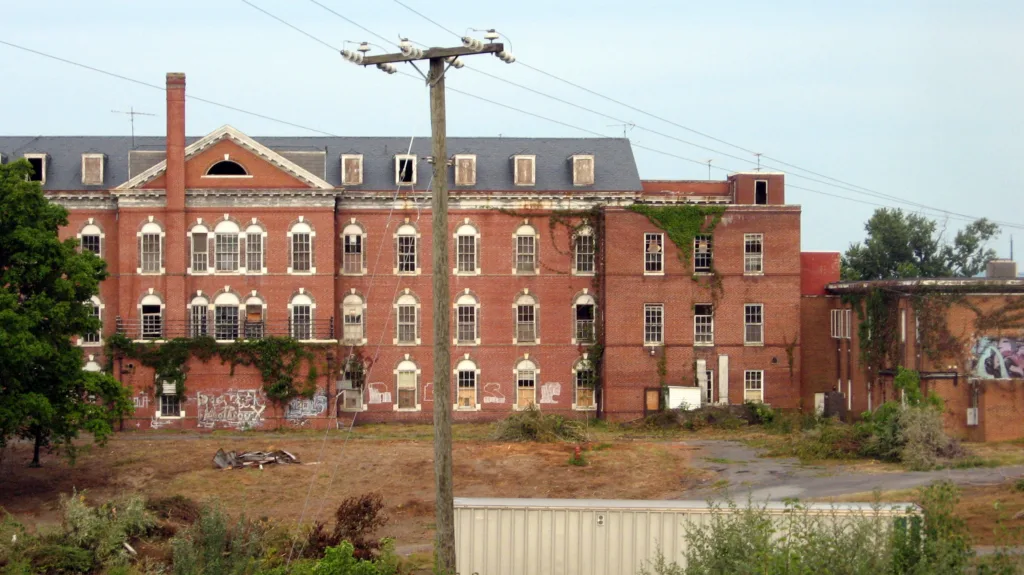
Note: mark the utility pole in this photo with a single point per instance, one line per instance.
(444, 548)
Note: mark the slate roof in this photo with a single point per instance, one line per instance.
(614, 166)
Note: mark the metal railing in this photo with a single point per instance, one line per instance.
(162, 329)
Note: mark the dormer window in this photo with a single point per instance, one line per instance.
(525, 170)
(38, 162)
(405, 169)
(465, 170)
(92, 169)
(226, 168)
(351, 169)
(583, 170)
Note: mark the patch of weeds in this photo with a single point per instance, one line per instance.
(532, 425)
(578, 459)
(601, 447)
(720, 484)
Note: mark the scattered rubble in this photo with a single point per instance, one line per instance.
(232, 460)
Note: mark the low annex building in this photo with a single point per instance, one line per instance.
(576, 287)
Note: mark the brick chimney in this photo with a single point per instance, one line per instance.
(175, 141)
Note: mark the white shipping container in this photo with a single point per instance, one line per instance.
(593, 536)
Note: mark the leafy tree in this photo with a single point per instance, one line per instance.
(44, 394)
(900, 245)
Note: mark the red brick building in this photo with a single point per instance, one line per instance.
(327, 240)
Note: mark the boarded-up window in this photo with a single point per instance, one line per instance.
(465, 170)
(525, 172)
(351, 170)
(406, 388)
(92, 169)
(583, 170)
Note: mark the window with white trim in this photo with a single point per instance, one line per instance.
(352, 385)
(38, 162)
(526, 384)
(351, 169)
(225, 317)
(703, 324)
(583, 170)
(352, 314)
(753, 253)
(170, 405)
(585, 314)
(654, 253)
(95, 310)
(584, 247)
(253, 323)
(753, 324)
(405, 249)
(90, 239)
(151, 243)
(406, 386)
(753, 385)
(702, 254)
(465, 169)
(302, 248)
(526, 250)
(301, 317)
(466, 320)
(709, 386)
(526, 319)
(465, 377)
(584, 385)
(654, 316)
(352, 262)
(406, 315)
(198, 317)
(405, 169)
(151, 312)
(226, 247)
(254, 239)
(465, 250)
(200, 249)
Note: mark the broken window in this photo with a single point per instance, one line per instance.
(407, 385)
(466, 376)
(38, 162)
(654, 314)
(753, 386)
(152, 321)
(703, 325)
(170, 405)
(753, 253)
(198, 317)
(225, 321)
(702, 254)
(352, 256)
(585, 385)
(586, 312)
(254, 318)
(761, 192)
(709, 386)
(405, 169)
(654, 253)
(753, 321)
(526, 384)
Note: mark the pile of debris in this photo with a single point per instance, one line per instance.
(232, 460)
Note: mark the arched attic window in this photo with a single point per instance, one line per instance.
(226, 168)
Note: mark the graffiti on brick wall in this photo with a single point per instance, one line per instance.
(550, 391)
(240, 409)
(141, 401)
(997, 358)
(158, 423)
(428, 392)
(379, 393)
(300, 409)
(492, 393)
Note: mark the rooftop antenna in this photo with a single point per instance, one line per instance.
(758, 154)
(708, 162)
(626, 128)
(131, 114)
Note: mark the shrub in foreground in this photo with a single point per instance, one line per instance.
(533, 425)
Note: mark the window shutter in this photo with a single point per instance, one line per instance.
(241, 251)
(291, 250)
(312, 252)
(211, 252)
(140, 253)
(163, 254)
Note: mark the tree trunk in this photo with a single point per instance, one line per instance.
(35, 452)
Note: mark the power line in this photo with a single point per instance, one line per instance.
(163, 88)
(843, 184)
(293, 27)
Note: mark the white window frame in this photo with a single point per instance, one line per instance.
(102, 160)
(356, 231)
(227, 302)
(753, 263)
(584, 256)
(747, 314)
(349, 391)
(707, 335)
(91, 229)
(709, 254)
(298, 301)
(406, 366)
(467, 230)
(96, 306)
(649, 310)
(580, 366)
(467, 366)
(532, 307)
(651, 258)
(462, 182)
(152, 300)
(165, 396)
(409, 233)
(230, 234)
(199, 317)
(398, 172)
(298, 228)
(353, 301)
(583, 299)
(841, 319)
(752, 377)
(466, 300)
(344, 175)
(533, 169)
(529, 367)
(151, 229)
(407, 300)
(576, 158)
(193, 269)
(256, 231)
(526, 232)
(45, 160)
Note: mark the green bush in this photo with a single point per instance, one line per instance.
(709, 416)
(213, 546)
(913, 436)
(105, 529)
(532, 425)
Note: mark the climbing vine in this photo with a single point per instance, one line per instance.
(276, 358)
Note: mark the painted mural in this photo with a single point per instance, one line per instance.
(300, 409)
(997, 358)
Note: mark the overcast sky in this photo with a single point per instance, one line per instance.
(916, 99)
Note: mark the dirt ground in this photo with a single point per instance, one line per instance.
(400, 469)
